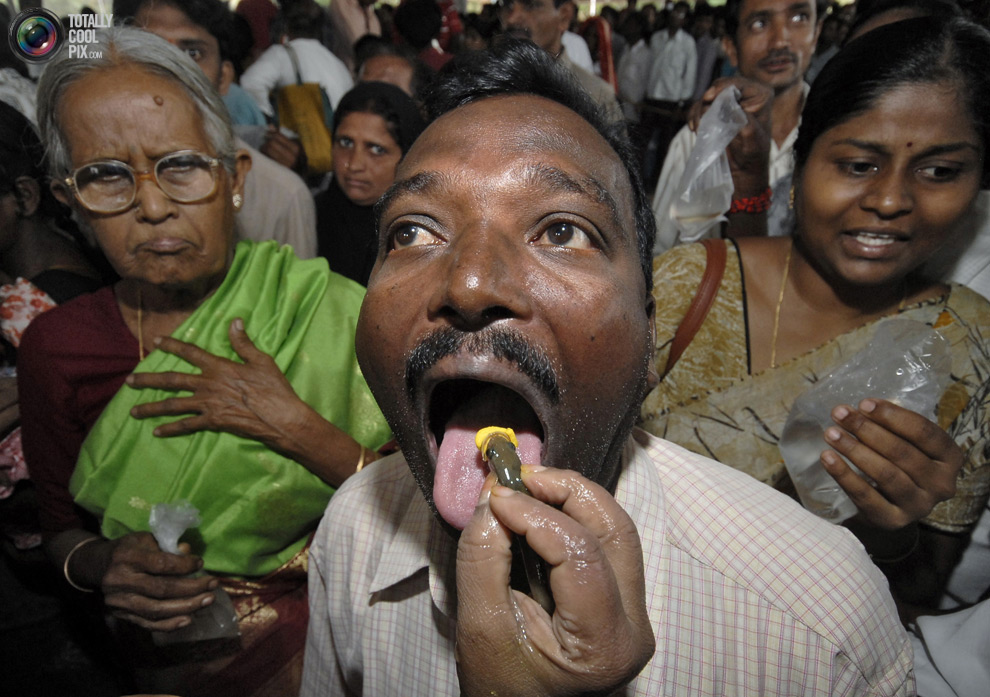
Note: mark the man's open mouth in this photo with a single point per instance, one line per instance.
(457, 410)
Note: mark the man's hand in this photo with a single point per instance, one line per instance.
(913, 462)
(599, 636)
(286, 151)
(749, 152)
(252, 399)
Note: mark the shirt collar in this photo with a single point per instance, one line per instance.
(421, 542)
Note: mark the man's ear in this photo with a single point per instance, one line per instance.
(729, 46)
(27, 191)
(652, 377)
(226, 77)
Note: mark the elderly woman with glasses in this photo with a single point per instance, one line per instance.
(141, 149)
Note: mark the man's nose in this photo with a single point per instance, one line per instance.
(513, 15)
(482, 282)
(780, 31)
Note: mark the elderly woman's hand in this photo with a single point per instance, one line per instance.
(913, 462)
(253, 400)
(140, 583)
(599, 636)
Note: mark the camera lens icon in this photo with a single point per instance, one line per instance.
(36, 35)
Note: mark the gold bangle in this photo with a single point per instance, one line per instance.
(360, 464)
(68, 557)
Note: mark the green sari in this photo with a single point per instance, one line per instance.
(257, 507)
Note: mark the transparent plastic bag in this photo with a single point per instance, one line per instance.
(705, 189)
(218, 620)
(907, 362)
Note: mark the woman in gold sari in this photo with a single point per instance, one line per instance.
(141, 149)
(890, 155)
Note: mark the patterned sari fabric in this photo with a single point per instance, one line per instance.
(710, 404)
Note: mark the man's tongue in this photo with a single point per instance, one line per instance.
(460, 471)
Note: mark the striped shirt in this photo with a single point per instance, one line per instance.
(748, 593)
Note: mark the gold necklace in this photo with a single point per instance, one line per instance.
(780, 301)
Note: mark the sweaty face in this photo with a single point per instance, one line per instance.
(137, 117)
(537, 20)
(775, 41)
(882, 191)
(364, 157)
(508, 291)
(173, 25)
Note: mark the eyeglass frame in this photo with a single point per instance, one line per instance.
(152, 174)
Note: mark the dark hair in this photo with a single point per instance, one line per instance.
(418, 22)
(734, 7)
(213, 15)
(924, 50)
(23, 155)
(517, 66)
(303, 19)
(370, 46)
(867, 10)
(402, 117)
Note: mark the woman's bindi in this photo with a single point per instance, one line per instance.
(910, 143)
(159, 100)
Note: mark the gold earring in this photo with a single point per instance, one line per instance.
(238, 201)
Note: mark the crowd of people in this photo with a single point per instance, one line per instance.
(196, 313)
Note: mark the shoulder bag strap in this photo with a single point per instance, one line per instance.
(702, 302)
(295, 62)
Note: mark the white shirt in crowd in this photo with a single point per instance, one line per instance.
(274, 69)
(675, 65)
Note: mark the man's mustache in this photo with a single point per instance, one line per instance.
(501, 343)
(777, 54)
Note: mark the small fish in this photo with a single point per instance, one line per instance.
(498, 449)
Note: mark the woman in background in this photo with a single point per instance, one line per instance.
(890, 156)
(373, 127)
(142, 150)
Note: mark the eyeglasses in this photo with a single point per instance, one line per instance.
(110, 186)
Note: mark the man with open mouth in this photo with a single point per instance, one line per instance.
(512, 289)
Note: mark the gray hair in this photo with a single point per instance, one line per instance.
(123, 46)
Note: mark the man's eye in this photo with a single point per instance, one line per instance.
(566, 235)
(412, 236)
(758, 25)
(800, 17)
(194, 53)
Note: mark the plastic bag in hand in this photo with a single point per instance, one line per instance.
(907, 363)
(705, 189)
(218, 620)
